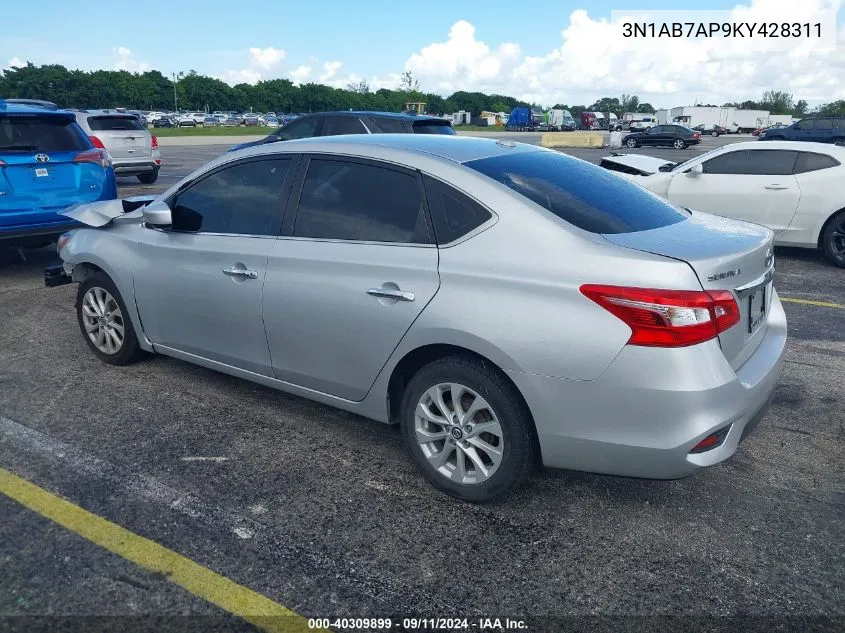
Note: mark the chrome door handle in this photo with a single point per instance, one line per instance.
(240, 272)
(776, 187)
(388, 293)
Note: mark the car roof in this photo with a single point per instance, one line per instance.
(104, 112)
(402, 116)
(21, 108)
(459, 149)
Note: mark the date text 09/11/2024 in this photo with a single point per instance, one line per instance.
(418, 624)
(722, 29)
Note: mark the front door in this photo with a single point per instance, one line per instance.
(753, 185)
(352, 272)
(199, 287)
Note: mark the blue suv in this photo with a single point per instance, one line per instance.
(816, 129)
(47, 164)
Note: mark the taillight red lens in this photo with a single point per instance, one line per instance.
(667, 318)
(98, 156)
(154, 141)
(97, 142)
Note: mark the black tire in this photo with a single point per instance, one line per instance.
(632, 143)
(148, 178)
(714, 133)
(520, 451)
(130, 350)
(833, 240)
(681, 145)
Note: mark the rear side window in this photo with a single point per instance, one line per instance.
(343, 200)
(763, 162)
(433, 127)
(808, 161)
(114, 123)
(389, 126)
(41, 134)
(244, 199)
(335, 125)
(452, 213)
(824, 124)
(585, 195)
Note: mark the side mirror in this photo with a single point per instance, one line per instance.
(694, 172)
(158, 214)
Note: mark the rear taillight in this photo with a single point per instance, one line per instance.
(97, 142)
(98, 156)
(667, 318)
(153, 141)
(714, 440)
(696, 135)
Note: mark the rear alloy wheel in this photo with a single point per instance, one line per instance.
(714, 133)
(833, 240)
(679, 144)
(104, 322)
(632, 143)
(467, 429)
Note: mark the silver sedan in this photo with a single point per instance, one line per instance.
(504, 304)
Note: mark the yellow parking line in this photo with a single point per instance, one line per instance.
(200, 581)
(821, 304)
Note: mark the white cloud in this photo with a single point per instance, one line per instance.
(593, 60)
(125, 60)
(330, 70)
(267, 58)
(300, 74)
(242, 76)
(16, 62)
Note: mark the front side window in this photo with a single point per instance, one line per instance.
(660, 129)
(343, 200)
(806, 124)
(768, 162)
(243, 199)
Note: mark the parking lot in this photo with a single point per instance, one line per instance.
(323, 513)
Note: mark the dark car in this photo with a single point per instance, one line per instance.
(36, 103)
(711, 130)
(677, 136)
(335, 123)
(163, 121)
(816, 130)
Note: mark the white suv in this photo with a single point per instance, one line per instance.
(131, 147)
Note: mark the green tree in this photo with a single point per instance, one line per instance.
(777, 102)
(646, 108)
(800, 108)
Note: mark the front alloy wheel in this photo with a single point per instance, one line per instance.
(104, 322)
(459, 433)
(631, 142)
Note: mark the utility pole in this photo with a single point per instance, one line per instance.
(176, 77)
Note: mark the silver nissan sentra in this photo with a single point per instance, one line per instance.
(502, 303)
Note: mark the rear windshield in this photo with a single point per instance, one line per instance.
(433, 127)
(583, 194)
(114, 123)
(27, 133)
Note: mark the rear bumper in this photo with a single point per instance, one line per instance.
(43, 228)
(642, 417)
(135, 168)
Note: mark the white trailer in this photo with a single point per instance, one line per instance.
(749, 120)
(693, 116)
(662, 117)
(782, 119)
(555, 120)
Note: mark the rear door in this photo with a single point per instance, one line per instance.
(352, 271)
(124, 136)
(45, 166)
(753, 185)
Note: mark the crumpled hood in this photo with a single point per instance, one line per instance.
(99, 214)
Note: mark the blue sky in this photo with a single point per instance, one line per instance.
(369, 39)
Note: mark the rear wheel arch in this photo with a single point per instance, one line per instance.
(418, 358)
(826, 224)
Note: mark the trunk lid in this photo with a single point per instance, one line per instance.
(725, 255)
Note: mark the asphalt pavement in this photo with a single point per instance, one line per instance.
(322, 511)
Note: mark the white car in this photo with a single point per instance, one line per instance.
(792, 187)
